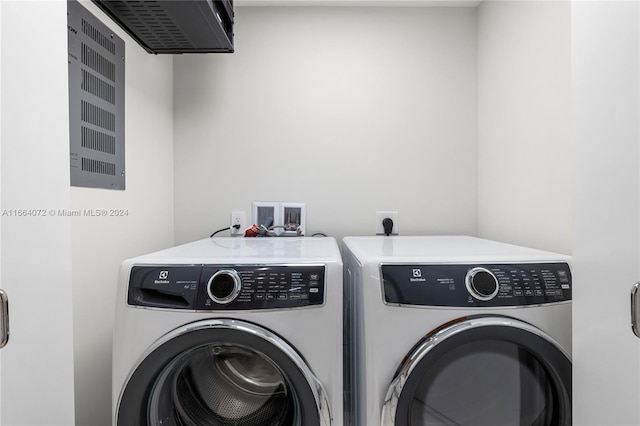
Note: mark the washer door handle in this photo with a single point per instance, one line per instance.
(4, 319)
(635, 306)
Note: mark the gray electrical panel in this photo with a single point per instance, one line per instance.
(96, 101)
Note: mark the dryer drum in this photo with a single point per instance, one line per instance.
(229, 385)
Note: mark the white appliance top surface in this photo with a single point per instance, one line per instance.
(240, 250)
(442, 249)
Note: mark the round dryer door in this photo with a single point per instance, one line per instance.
(482, 371)
(222, 372)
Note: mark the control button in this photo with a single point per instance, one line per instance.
(259, 296)
(314, 277)
(271, 296)
(313, 283)
(563, 276)
(282, 296)
(313, 290)
(528, 293)
(517, 293)
(539, 292)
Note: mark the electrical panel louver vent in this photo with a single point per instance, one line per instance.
(96, 101)
(175, 26)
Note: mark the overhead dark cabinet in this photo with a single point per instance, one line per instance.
(175, 26)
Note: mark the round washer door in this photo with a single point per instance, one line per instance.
(222, 372)
(482, 371)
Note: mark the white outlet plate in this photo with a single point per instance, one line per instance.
(393, 215)
(238, 218)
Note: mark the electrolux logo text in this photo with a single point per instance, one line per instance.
(417, 276)
(162, 278)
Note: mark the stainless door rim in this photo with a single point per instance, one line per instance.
(319, 394)
(394, 392)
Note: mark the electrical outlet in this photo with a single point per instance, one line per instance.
(238, 218)
(393, 215)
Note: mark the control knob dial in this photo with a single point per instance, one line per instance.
(481, 283)
(224, 286)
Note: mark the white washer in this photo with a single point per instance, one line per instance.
(243, 331)
(455, 330)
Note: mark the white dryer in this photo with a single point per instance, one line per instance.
(454, 330)
(230, 331)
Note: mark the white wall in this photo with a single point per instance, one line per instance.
(101, 243)
(350, 110)
(524, 123)
(606, 253)
(37, 363)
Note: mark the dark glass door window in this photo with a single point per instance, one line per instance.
(222, 385)
(222, 373)
(482, 371)
(485, 383)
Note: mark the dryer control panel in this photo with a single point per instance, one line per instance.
(226, 287)
(482, 285)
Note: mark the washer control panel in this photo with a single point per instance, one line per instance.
(483, 285)
(227, 287)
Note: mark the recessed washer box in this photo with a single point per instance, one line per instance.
(288, 219)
